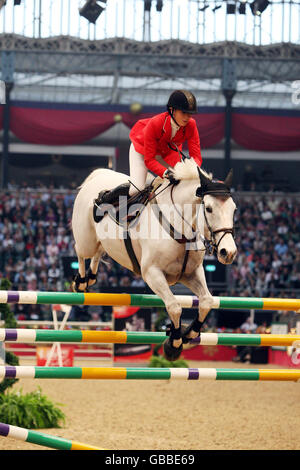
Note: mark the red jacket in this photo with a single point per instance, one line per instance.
(151, 137)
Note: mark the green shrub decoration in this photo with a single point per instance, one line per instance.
(12, 360)
(32, 410)
(7, 315)
(160, 361)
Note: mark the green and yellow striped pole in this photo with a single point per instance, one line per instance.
(22, 335)
(42, 439)
(144, 300)
(147, 373)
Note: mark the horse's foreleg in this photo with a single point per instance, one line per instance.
(79, 284)
(156, 280)
(197, 283)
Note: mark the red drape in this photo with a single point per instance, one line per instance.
(210, 125)
(58, 127)
(211, 128)
(66, 127)
(255, 130)
(265, 132)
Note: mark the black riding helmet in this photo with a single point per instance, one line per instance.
(183, 100)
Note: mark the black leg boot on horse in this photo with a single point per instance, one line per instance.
(195, 326)
(77, 280)
(110, 197)
(171, 353)
(90, 276)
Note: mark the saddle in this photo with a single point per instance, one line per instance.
(126, 213)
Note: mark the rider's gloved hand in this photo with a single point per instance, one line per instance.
(169, 174)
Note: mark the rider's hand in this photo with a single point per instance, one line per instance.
(169, 174)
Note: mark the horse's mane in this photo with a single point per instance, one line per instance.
(188, 170)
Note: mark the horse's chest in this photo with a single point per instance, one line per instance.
(183, 264)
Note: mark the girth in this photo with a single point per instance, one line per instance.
(128, 245)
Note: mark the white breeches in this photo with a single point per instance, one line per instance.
(138, 170)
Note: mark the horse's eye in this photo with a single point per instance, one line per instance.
(209, 210)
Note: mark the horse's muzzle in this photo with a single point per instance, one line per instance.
(226, 256)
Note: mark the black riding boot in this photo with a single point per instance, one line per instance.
(109, 197)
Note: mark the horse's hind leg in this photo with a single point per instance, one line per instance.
(91, 276)
(197, 283)
(156, 280)
(79, 283)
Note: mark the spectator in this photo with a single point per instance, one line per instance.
(138, 282)
(244, 352)
(248, 326)
(125, 281)
(53, 273)
(280, 247)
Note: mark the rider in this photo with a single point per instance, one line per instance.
(156, 144)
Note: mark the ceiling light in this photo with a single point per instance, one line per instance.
(91, 11)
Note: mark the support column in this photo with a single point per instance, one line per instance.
(7, 63)
(5, 144)
(229, 90)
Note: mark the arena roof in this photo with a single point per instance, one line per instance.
(132, 55)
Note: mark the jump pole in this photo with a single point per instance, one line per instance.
(22, 335)
(147, 373)
(42, 439)
(144, 300)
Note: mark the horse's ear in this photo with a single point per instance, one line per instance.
(203, 179)
(229, 178)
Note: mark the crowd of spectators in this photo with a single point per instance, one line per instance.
(268, 241)
(35, 234)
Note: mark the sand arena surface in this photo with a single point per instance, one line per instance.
(135, 414)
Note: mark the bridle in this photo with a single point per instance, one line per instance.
(213, 243)
(209, 244)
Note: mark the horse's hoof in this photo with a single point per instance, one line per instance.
(170, 352)
(188, 328)
(76, 289)
(185, 339)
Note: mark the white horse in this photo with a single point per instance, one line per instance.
(167, 245)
